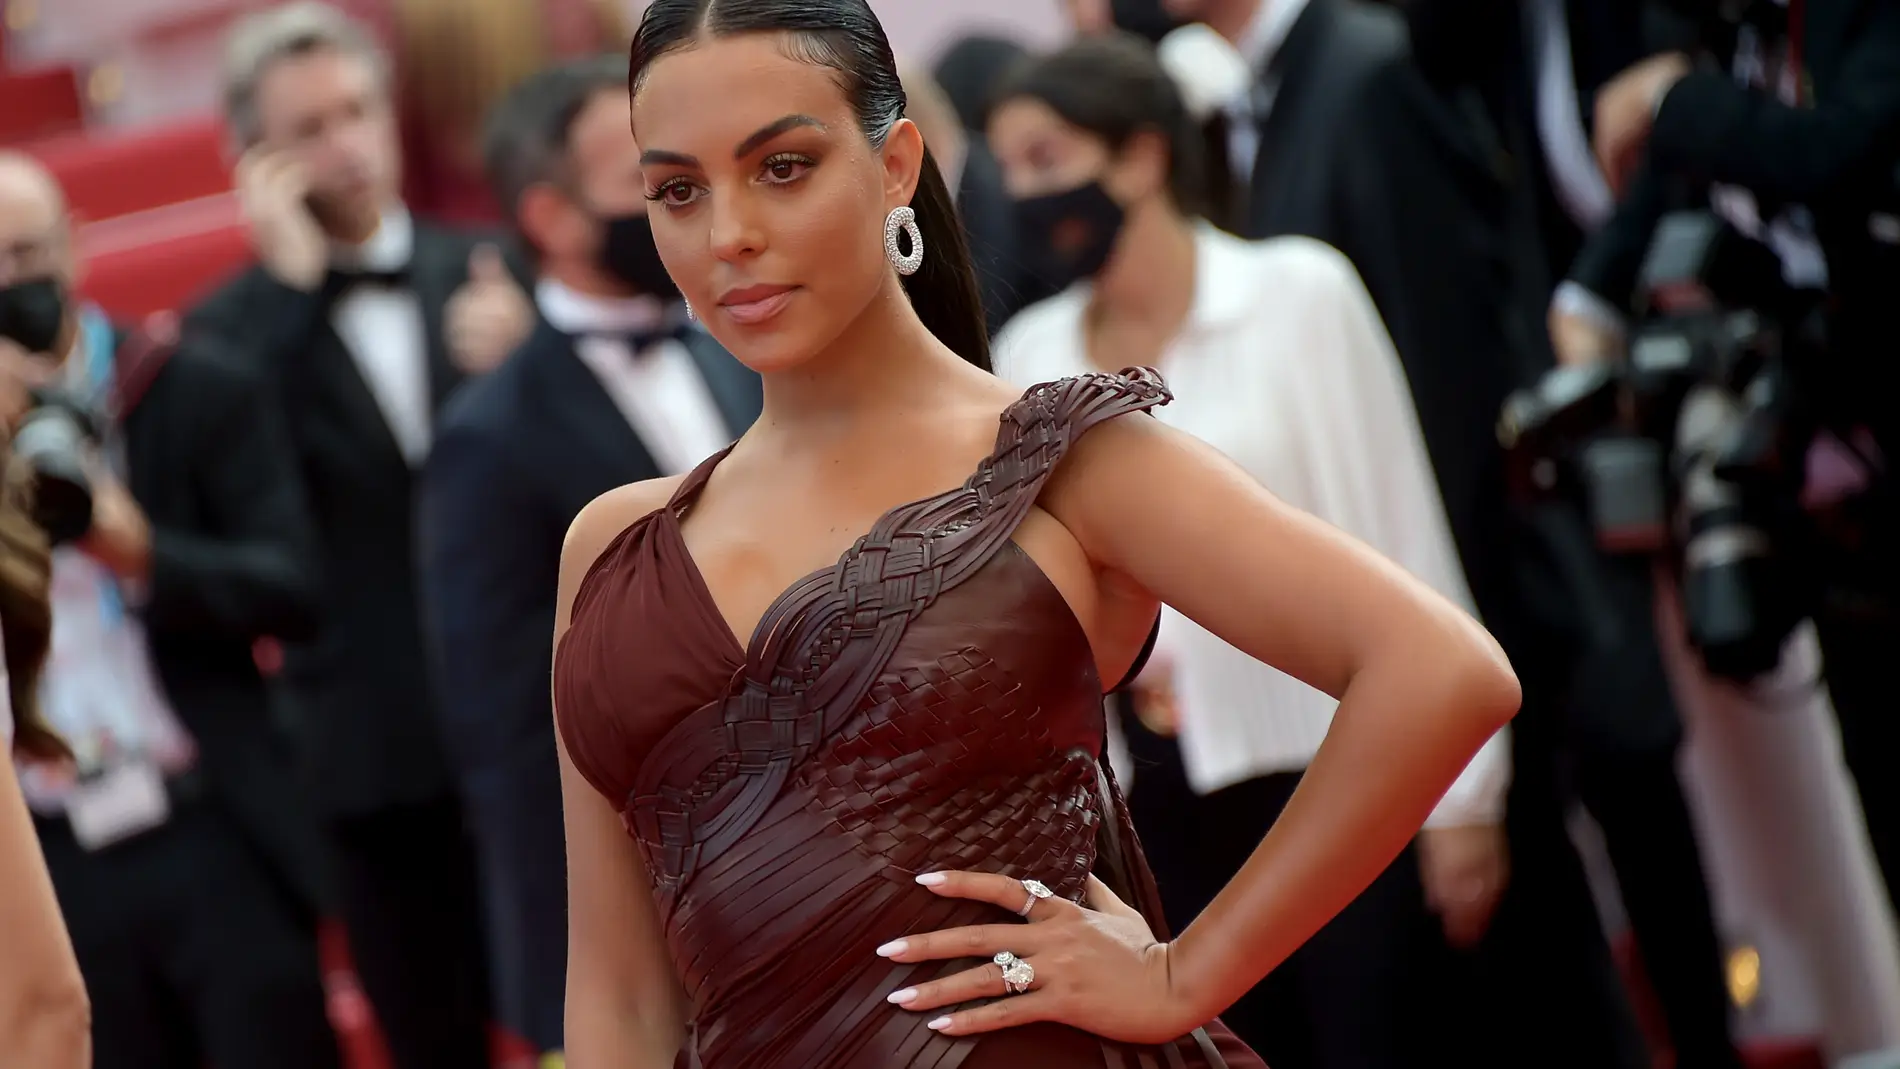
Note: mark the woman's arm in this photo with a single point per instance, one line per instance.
(45, 1021)
(625, 1007)
(1371, 474)
(1421, 685)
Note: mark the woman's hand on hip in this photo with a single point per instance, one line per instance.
(1098, 967)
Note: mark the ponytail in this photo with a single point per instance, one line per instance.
(943, 291)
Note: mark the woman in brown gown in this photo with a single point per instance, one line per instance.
(831, 731)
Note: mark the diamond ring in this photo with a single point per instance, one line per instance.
(1017, 973)
(1037, 892)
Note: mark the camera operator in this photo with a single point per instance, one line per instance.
(1790, 129)
(44, 1016)
(170, 497)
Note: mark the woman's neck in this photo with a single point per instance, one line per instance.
(883, 364)
(1148, 284)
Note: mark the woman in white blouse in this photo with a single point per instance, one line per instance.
(44, 1017)
(1277, 357)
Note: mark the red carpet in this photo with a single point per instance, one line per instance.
(355, 1023)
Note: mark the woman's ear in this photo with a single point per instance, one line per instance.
(903, 163)
(1141, 168)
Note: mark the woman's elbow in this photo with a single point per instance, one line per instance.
(52, 1027)
(1485, 684)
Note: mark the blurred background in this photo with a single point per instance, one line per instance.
(122, 102)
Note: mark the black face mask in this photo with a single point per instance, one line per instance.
(627, 252)
(1145, 18)
(1068, 236)
(33, 313)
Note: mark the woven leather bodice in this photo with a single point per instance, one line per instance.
(929, 702)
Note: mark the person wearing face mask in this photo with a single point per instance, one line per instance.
(614, 384)
(1277, 357)
(188, 873)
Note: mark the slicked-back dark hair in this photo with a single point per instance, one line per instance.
(846, 37)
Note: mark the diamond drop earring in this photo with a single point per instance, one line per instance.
(905, 221)
(689, 309)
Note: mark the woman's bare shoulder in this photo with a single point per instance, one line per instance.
(607, 516)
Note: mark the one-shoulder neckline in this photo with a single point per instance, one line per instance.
(740, 652)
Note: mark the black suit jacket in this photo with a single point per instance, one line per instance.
(361, 685)
(1424, 190)
(1360, 152)
(518, 454)
(1838, 158)
(211, 464)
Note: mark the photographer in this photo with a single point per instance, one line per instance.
(1797, 147)
(171, 500)
(43, 1010)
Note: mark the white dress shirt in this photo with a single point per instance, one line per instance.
(1574, 174)
(382, 329)
(660, 390)
(1284, 366)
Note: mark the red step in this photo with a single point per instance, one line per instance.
(39, 103)
(113, 175)
(164, 259)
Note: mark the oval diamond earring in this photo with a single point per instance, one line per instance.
(903, 220)
(689, 309)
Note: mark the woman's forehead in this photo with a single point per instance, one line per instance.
(713, 87)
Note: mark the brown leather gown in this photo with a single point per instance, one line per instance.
(930, 702)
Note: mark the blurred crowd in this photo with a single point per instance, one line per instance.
(297, 652)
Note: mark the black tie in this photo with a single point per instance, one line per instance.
(641, 342)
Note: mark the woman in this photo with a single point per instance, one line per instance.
(1276, 356)
(44, 1020)
(811, 846)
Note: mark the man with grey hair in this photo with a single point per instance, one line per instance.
(347, 313)
(614, 386)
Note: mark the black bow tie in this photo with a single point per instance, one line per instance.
(342, 278)
(640, 342)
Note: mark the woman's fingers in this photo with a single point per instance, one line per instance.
(977, 941)
(984, 981)
(998, 890)
(1003, 1013)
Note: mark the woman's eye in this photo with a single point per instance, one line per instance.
(674, 194)
(783, 169)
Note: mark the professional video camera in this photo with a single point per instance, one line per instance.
(1694, 445)
(53, 440)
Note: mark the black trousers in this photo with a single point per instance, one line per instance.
(1376, 988)
(406, 888)
(190, 951)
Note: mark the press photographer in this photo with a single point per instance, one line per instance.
(171, 497)
(1787, 126)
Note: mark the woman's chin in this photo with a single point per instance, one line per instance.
(773, 355)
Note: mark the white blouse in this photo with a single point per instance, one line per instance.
(1284, 366)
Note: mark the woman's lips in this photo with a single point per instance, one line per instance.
(756, 304)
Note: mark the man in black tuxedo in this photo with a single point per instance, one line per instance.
(345, 312)
(189, 875)
(614, 385)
